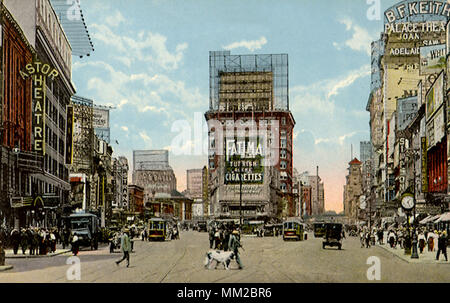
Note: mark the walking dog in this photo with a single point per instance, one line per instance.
(223, 257)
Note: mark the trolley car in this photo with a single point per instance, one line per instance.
(293, 230)
(157, 229)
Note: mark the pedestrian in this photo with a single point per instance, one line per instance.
(36, 241)
(23, 240)
(430, 240)
(422, 241)
(211, 237)
(442, 245)
(52, 240)
(392, 238)
(15, 240)
(30, 237)
(234, 245)
(126, 248)
(75, 244)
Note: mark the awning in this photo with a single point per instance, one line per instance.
(443, 218)
(429, 219)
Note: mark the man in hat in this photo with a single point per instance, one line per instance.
(234, 245)
(442, 245)
(125, 245)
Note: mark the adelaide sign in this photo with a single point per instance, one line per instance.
(39, 72)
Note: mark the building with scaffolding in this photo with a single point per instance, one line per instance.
(250, 92)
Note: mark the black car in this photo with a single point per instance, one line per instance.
(333, 235)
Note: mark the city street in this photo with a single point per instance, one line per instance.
(265, 259)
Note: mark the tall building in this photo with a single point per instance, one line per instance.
(194, 183)
(407, 93)
(317, 195)
(39, 97)
(249, 112)
(365, 151)
(151, 170)
(120, 176)
(353, 190)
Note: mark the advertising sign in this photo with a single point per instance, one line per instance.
(244, 161)
(417, 9)
(424, 149)
(435, 96)
(432, 59)
(39, 72)
(406, 111)
(101, 118)
(436, 128)
(69, 135)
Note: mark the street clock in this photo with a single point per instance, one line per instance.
(362, 202)
(408, 202)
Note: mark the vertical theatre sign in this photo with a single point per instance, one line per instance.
(424, 164)
(39, 72)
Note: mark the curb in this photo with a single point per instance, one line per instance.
(409, 261)
(6, 267)
(36, 256)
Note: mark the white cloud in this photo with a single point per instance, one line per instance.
(318, 96)
(349, 80)
(147, 47)
(143, 135)
(361, 39)
(251, 45)
(114, 20)
(124, 128)
(149, 93)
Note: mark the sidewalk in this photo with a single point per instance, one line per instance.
(9, 254)
(424, 258)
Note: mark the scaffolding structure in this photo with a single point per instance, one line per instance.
(248, 82)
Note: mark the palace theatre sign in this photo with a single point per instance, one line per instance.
(39, 73)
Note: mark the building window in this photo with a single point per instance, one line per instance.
(283, 165)
(283, 154)
(283, 143)
(283, 121)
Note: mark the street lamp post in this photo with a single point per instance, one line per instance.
(414, 254)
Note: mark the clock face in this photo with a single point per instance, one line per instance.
(408, 202)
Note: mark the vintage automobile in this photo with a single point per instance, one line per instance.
(293, 230)
(86, 226)
(202, 226)
(333, 235)
(157, 229)
(319, 229)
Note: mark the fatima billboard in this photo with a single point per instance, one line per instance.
(244, 161)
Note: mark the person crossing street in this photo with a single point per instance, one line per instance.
(125, 245)
(234, 245)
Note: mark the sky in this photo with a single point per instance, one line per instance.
(151, 62)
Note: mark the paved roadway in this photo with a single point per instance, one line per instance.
(265, 259)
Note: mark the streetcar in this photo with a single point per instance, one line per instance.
(293, 230)
(319, 229)
(157, 229)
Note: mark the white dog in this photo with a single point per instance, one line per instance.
(223, 257)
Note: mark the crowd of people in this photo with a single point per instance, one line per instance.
(395, 237)
(38, 241)
(225, 237)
